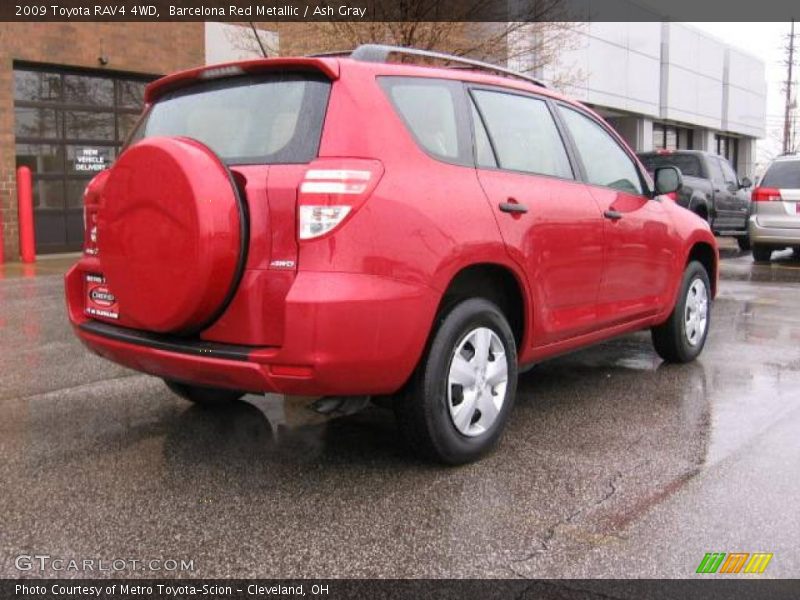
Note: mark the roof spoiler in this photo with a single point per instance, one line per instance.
(159, 87)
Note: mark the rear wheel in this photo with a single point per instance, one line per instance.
(458, 401)
(744, 242)
(762, 253)
(204, 396)
(681, 338)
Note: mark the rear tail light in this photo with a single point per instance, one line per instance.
(332, 190)
(763, 194)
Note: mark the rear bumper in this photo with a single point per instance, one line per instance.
(345, 334)
(772, 236)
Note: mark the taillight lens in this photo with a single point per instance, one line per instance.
(764, 194)
(331, 190)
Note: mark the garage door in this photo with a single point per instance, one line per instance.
(68, 126)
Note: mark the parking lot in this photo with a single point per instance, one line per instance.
(613, 465)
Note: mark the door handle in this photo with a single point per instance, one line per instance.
(513, 207)
(614, 215)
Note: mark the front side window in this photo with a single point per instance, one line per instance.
(523, 134)
(606, 163)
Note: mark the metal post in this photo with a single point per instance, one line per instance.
(27, 241)
(787, 127)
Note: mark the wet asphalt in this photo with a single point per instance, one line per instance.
(614, 464)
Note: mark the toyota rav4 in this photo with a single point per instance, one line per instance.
(354, 225)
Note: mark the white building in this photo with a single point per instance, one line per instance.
(669, 85)
(661, 85)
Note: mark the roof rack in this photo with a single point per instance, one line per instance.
(380, 53)
(331, 54)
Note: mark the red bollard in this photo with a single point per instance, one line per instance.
(2, 254)
(27, 241)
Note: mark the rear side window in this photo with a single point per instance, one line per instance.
(687, 163)
(265, 119)
(523, 134)
(606, 163)
(430, 110)
(783, 175)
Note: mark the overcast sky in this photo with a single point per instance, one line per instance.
(767, 41)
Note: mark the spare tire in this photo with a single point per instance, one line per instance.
(171, 235)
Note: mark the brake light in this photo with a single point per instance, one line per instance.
(332, 190)
(763, 194)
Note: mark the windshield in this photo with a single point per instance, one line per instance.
(264, 119)
(783, 174)
(689, 164)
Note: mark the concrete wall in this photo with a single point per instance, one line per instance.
(746, 94)
(664, 71)
(614, 65)
(692, 73)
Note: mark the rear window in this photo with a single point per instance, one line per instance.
(265, 119)
(687, 163)
(784, 174)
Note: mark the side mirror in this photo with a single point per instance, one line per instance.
(745, 183)
(667, 180)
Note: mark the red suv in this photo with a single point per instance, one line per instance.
(351, 225)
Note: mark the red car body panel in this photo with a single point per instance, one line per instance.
(351, 312)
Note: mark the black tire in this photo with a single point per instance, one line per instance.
(423, 409)
(762, 254)
(203, 396)
(701, 211)
(744, 242)
(671, 339)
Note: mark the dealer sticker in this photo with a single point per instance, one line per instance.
(100, 301)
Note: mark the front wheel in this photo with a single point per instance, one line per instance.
(459, 398)
(681, 338)
(204, 396)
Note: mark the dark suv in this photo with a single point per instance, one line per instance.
(339, 226)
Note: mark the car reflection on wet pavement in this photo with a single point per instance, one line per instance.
(614, 464)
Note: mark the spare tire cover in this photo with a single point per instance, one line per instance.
(170, 235)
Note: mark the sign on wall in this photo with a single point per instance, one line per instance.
(90, 159)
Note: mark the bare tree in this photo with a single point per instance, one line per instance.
(527, 37)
